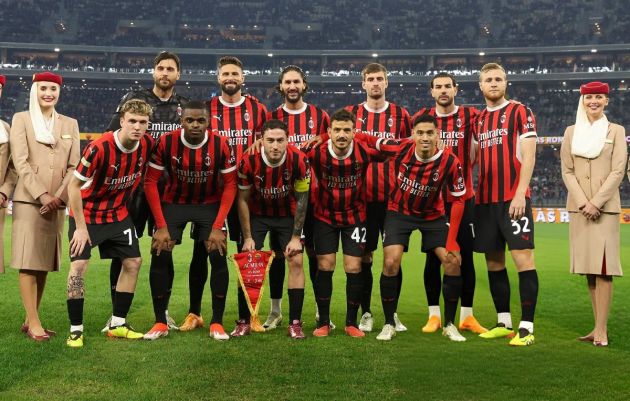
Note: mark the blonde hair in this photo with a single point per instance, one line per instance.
(491, 66)
(136, 106)
(374, 68)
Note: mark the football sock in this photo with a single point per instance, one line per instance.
(528, 287)
(159, 281)
(399, 276)
(243, 309)
(432, 279)
(296, 301)
(354, 287)
(434, 310)
(451, 289)
(114, 273)
(500, 290)
(197, 276)
(75, 311)
(276, 305)
(312, 270)
(324, 292)
(368, 280)
(122, 304)
(464, 312)
(276, 277)
(219, 281)
(469, 279)
(388, 297)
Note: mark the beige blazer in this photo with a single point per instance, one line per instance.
(43, 168)
(596, 180)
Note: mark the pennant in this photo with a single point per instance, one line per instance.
(252, 268)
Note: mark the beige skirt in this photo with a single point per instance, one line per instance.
(3, 212)
(36, 242)
(590, 241)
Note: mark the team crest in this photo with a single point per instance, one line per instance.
(503, 119)
(458, 123)
(286, 175)
(246, 116)
(390, 122)
(436, 176)
(179, 110)
(140, 161)
(207, 161)
(311, 124)
(529, 119)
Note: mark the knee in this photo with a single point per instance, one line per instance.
(390, 266)
(452, 269)
(132, 265)
(78, 268)
(367, 257)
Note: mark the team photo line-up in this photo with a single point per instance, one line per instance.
(309, 180)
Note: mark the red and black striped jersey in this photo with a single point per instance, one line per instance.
(240, 122)
(273, 185)
(340, 192)
(457, 132)
(499, 132)
(419, 182)
(303, 124)
(193, 171)
(114, 173)
(390, 122)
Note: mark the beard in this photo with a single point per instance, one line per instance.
(158, 82)
(376, 96)
(446, 103)
(494, 96)
(293, 100)
(231, 91)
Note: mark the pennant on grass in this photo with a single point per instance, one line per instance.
(252, 268)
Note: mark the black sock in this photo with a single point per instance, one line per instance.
(500, 290)
(528, 287)
(368, 281)
(452, 290)
(276, 277)
(197, 276)
(399, 276)
(469, 278)
(159, 282)
(75, 311)
(312, 270)
(432, 279)
(388, 297)
(322, 296)
(296, 301)
(122, 303)
(171, 278)
(354, 288)
(243, 309)
(114, 272)
(219, 280)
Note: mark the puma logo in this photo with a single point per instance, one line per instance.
(217, 117)
(262, 179)
(114, 166)
(362, 120)
(178, 160)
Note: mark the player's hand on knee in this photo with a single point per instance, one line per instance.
(161, 240)
(454, 258)
(249, 245)
(294, 247)
(79, 239)
(216, 241)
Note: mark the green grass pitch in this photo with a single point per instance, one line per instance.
(269, 366)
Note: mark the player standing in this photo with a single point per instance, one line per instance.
(506, 133)
(107, 175)
(456, 126)
(378, 117)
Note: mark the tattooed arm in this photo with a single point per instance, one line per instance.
(295, 245)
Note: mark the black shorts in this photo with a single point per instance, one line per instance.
(326, 238)
(234, 224)
(398, 229)
(374, 224)
(202, 216)
(466, 233)
(280, 231)
(114, 240)
(307, 229)
(494, 228)
(141, 213)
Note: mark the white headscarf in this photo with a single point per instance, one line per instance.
(588, 139)
(4, 135)
(43, 133)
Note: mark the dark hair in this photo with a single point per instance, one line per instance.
(225, 60)
(295, 68)
(424, 118)
(443, 75)
(342, 115)
(274, 124)
(166, 56)
(195, 105)
(373, 68)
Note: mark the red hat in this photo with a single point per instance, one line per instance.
(47, 77)
(594, 87)
(3, 80)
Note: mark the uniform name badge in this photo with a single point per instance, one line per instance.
(252, 268)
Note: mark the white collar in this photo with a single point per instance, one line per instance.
(270, 164)
(228, 104)
(495, 108)
(120, 146)
(190, 145)
(333, 154)
(430, 159)
(437, 113)
(298, 111)
(371, 110)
